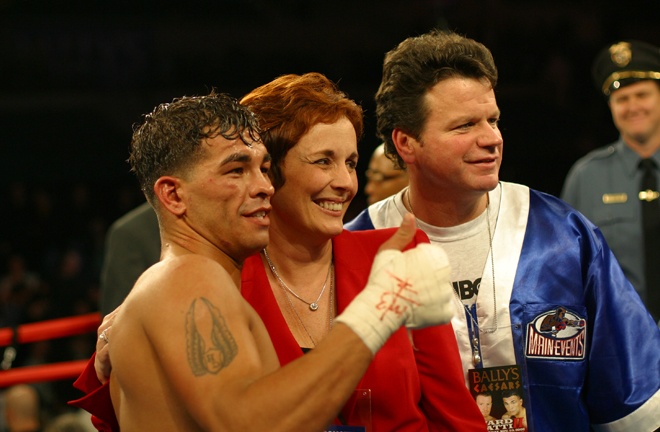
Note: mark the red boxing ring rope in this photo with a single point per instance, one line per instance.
(45, 330)
(51, 372)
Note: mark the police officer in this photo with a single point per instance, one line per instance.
(614, 185)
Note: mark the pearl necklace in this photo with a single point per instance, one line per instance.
(331, 308)
(313, 306)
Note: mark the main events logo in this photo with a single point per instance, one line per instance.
(557, 334)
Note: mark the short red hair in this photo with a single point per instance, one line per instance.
(289, 106)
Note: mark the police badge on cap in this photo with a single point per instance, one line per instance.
(625, 62)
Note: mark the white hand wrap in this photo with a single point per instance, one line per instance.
(408, 288)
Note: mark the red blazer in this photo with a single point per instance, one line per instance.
(411, 389)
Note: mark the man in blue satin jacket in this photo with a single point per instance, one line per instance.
(541, 302)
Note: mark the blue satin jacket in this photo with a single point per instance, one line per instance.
(588, 349)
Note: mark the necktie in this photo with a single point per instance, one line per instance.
(651, 229)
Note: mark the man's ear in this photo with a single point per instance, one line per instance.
(169, 192)
(405, 145)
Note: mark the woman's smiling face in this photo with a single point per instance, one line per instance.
(320, 180)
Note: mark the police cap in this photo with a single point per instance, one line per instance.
(625, 62)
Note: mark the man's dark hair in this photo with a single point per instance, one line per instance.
(509, 393)
(169, 139)
(413, 68)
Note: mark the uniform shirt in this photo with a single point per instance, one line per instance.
(604, 186)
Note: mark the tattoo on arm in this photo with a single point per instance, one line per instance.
(221, 349)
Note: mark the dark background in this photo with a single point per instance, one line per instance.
(75, 76)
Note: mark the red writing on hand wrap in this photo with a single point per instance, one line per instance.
(397, 301)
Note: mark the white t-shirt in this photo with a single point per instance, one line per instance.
(467, 246)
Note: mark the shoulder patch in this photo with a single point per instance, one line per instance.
(558, 334)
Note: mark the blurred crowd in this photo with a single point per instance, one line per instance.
(51, 249)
